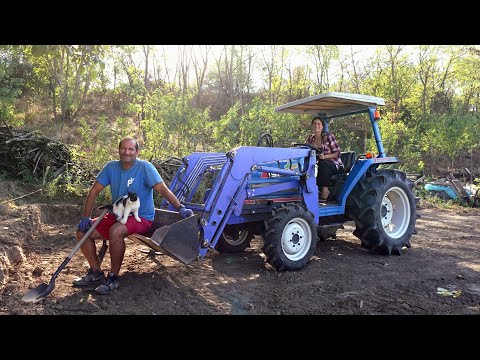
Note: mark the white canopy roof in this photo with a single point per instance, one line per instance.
(331, 103)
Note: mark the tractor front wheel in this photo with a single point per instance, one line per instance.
(290, 237)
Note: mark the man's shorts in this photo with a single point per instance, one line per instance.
(133, 226)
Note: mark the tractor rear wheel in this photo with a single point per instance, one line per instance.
(290, 237)
(233, 239)
(383, 207)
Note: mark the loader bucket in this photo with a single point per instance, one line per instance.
(177, 238)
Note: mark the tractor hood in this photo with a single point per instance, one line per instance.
(332, 104)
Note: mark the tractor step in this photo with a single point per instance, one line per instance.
(329, 203)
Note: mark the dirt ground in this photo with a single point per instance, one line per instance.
(342, 277)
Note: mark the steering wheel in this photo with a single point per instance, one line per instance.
(268, 140)
(309, 146)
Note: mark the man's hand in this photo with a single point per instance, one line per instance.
(85, 224)
(184, 212)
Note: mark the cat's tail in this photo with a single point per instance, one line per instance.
(109, 207)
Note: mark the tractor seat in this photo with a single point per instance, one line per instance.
(348, 159)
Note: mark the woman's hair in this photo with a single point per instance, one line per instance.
(318, 118)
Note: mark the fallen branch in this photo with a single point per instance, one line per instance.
(33, 192)
(8, 127)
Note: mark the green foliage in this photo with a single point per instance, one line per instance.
(10, 85)
(440, 203)
(124, 127)
(66, 72)
(447, 135)
(352, 133)
(105, 197)
(56, 188)
(286, 128)
(261, 118)
(398, 140)
(173, 127)
(467, 76)
(8, 115)
(155, 126)
(85, 133)
(226, 131)
(100, 141)
(105, 143)
(431, 95)
(393, 76)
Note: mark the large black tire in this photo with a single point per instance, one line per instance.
(290, 237)
(233, 239)
(383, 206)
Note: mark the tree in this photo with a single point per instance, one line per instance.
(273, 65)
(200, 70)
(322, 57)
(70, 71)
(11, 83)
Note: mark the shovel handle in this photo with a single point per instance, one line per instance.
(87, 234)
(74, 250)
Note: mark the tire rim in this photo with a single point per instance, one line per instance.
(241, 236)
(296, 239)
(395, 212)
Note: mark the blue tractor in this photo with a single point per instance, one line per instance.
(272, 192)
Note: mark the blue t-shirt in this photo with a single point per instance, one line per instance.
(140, 179)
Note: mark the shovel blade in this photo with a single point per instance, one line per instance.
(37, 294)
(42, 290)
(180, 240)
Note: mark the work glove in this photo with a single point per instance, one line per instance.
(184, 212)
(85, 224)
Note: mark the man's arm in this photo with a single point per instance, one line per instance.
(163, 190)
(92, 195)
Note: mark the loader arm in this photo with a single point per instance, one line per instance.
(224, 202)
(190, 174)
(230, 189)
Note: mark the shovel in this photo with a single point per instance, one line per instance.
(42, 290)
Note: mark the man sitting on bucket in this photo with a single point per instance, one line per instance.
(129, 174)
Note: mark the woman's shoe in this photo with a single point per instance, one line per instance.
(324, 199)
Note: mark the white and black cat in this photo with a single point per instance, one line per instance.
(125, 205)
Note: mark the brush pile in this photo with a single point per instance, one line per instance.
(167, 168)
(24, 153)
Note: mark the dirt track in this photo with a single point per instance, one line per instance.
(342, 277)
